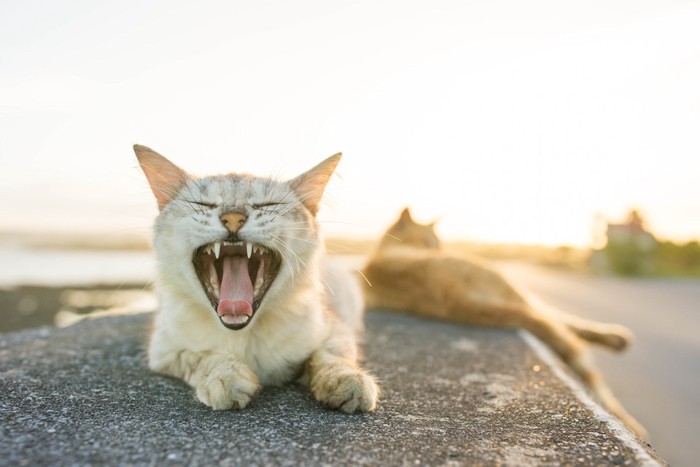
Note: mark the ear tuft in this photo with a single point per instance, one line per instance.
(309, 186)
(164, 177)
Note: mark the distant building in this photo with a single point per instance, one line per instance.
(632, 231)
(629, 247)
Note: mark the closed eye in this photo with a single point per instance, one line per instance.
(202, 203)
(266, 205)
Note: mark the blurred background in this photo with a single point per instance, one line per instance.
(558, 139)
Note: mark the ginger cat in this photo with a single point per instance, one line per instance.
(409, 272)
(243, 291)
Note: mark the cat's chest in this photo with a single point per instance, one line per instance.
(275, 346)
(275, 357)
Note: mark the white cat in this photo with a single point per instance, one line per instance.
(243, 300)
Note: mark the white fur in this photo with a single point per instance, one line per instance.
(295, 333)
(294, 322)
(344, 293)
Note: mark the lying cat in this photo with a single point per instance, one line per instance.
(409, 272)
(243, 292)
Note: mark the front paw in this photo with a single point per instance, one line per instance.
(345, 388)
(228, 387)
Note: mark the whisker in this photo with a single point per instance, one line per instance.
(328, 286)
(298, 259)
(364, 277)
(310, 242)
(280, 247)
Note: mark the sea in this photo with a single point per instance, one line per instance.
(61, 267)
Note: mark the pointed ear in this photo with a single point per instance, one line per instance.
(309, 186)
(405, 217)
(165, 178)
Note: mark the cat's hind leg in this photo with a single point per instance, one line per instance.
(335, 378)
(613, 336)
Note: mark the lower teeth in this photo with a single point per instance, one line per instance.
(230, 319)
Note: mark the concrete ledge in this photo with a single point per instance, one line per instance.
(452, 395)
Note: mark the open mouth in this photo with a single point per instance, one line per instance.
(235, 276)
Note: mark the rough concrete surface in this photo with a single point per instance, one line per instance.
(452, 395)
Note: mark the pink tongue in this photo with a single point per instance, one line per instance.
(236, 292)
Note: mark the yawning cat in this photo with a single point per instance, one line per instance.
(245, 300)
(409, 272)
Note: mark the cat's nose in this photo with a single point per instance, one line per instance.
(233, 221)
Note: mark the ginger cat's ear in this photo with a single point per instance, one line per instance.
(405, 217)
(309, 186)
(164, 177)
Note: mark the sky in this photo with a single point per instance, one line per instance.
(507, 121)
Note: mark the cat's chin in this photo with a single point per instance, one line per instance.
(235, 276)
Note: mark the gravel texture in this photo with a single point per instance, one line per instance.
(451, 395)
